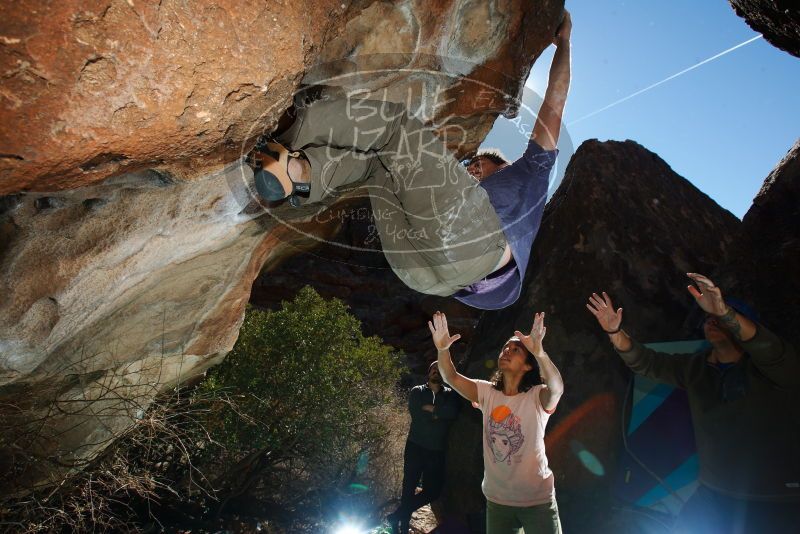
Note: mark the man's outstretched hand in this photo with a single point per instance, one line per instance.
(708, 296)
(564, 30)
(441, 336)
(533, 342)
(603, 311)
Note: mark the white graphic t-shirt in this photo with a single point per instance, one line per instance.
(515, 466)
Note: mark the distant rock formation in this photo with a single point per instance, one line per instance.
(777, 20)
(129, 238)
(621, 221)
(763, 265)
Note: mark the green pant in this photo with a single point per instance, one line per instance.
(542, 518)
(437, 227)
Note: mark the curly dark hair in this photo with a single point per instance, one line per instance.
(529, 379)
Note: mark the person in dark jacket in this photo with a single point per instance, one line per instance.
(743, 395)
(433, 407)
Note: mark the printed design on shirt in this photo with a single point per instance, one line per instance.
(504, 434)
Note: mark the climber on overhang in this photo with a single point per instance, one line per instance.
(443, 232)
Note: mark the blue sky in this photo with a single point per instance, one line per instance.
(723, 126)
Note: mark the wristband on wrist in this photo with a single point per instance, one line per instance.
(609, 332)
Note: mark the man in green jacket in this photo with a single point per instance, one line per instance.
(743, 396)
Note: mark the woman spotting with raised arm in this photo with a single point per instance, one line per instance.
(516, 405)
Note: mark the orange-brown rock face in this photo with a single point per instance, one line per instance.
(129, 239)
(97, 88)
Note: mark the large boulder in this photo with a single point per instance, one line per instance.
(621, 221)
(99, 88)
(129, 235)
(763, 265)
(114, 292)
(96, 89)
(777, 20)
(454, 63)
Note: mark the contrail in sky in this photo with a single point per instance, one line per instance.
(665, 80)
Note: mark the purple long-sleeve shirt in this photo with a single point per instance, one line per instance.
(518, 194)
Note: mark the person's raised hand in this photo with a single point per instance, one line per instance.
(533, 342)
(441, 336)
(564, 30)
(708, 296)
(603, 310)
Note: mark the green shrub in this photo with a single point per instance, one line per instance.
(282, 421)
(306, 384)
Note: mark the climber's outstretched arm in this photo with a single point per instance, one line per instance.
(548, 122)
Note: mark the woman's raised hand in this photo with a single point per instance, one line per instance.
(441, 336)
(533, 342)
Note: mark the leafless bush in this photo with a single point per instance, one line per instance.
(384, 472)
(156, 458)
